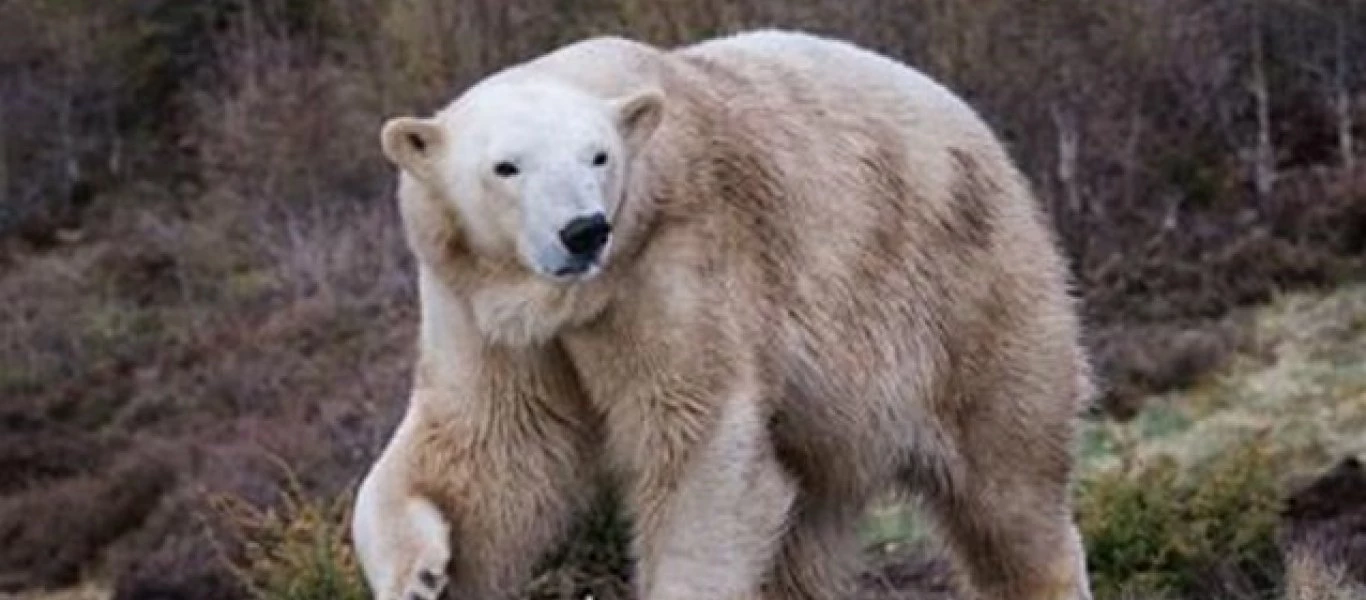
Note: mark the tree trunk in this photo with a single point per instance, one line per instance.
(1342, 97)
(1069, 140)
(1264, 162)
(4, 163)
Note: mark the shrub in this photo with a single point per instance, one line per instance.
(302, 551)
(299, 551)
(1204, 532)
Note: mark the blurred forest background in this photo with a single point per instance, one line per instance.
(207, 310)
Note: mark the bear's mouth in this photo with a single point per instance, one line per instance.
(576, 266)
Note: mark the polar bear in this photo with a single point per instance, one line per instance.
(753, 283)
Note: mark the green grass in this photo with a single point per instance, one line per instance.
(888, 527)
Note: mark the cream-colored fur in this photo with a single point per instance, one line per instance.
(825, 279)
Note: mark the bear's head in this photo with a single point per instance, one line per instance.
(530, 168)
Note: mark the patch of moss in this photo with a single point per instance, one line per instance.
(1161, 420)
(891, 526)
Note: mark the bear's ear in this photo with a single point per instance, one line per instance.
(638, 115)
(411, 143)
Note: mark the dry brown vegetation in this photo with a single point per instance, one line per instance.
(201, 274)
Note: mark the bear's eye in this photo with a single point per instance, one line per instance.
(505, 169)
(599, 159)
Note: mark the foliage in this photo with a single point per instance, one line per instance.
(1161, 529)
(299, 550)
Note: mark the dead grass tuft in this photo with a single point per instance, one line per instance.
(1325, 534)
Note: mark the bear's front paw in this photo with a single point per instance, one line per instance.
(427, 583)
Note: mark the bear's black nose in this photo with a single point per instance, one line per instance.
(585, 236)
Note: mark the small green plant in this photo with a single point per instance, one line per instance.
(1163, 530)
(298, 552)
(301, 551)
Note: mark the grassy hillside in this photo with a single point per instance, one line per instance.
(1200, 496)
(1189, 500)
(1192, 499)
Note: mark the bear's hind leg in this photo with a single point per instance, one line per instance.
(1007, 517)
(709, 528)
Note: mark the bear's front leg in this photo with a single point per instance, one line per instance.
(709, 498)
(402, 541)
(480, 481)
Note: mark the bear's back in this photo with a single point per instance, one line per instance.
(779, 65)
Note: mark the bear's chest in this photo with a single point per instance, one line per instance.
(532, 312)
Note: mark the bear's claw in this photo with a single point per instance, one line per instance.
(428, 586)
